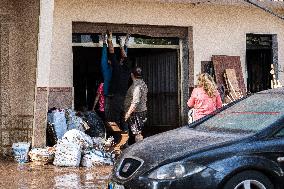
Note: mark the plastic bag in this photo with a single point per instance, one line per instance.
(20, 151)
(73, 121)
(57, 117)
(97, 127)
(94, 157)
(79, 138)
(67, 154)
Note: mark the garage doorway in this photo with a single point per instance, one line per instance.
(259, 57)
(159, 63)
(150, 37)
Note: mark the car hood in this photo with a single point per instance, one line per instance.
(174, 144)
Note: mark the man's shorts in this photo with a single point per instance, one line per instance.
(136, 122)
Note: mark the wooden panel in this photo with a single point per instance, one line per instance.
(232, 84)
(222, 62)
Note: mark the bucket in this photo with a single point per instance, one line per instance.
(20, 151)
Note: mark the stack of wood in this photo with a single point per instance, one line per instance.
(229, 76)
(233, 91)
(275, 83)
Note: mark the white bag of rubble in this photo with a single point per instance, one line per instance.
(95, 157)
(79, 138)
(67, 154)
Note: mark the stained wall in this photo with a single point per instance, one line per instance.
(217, 29)
(18, 56)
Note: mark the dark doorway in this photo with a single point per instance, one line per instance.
(160, 72)
(87, 76)
(259, 59)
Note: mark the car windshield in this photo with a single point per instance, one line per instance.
(247, 116)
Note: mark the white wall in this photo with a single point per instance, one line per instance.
(217, 30)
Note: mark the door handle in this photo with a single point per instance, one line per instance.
(280, 159)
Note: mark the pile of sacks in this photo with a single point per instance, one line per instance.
(62, 120)
(77, 139)
(77, 148)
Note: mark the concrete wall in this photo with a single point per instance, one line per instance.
(217, 29)
(18, 55)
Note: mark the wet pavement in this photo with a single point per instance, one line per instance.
(30, 175)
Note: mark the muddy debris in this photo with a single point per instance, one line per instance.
(29, 175)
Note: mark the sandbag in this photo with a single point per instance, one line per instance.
(79, 138)
(67, 154)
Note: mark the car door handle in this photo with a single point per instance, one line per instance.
(280, 159)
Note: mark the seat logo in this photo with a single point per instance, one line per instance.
(126, 167)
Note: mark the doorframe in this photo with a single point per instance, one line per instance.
(274, 53)
(185, 62)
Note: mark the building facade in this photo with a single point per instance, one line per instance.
(38, 54)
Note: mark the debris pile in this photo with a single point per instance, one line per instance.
(75, 139)
(42, 155)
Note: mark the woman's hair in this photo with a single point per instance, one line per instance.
(207, 82)
(137, 72)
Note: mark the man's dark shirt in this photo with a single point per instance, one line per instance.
(120, 77)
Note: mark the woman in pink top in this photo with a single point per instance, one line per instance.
(101, 99)
(205, 98)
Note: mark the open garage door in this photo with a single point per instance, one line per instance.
(160, 72)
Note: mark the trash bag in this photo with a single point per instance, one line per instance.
(97, 127)
(94, 157)
(79, 138)
(20, 151)
(73, 121)
(57, 117)
(67, 154)
(51, 138)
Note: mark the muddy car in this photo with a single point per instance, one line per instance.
(240, 146)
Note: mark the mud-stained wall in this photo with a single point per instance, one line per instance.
(18, 50)
(217, 29)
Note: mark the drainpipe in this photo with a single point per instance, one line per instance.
(264, 8)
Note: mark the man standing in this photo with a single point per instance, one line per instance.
(114, 99)
(135, 104)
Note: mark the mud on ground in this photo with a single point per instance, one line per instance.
(32, 176)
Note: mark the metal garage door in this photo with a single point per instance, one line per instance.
(160, 72)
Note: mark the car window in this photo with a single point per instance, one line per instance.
(249, 115)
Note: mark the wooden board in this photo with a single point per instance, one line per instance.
(232, 85)
(223, 62)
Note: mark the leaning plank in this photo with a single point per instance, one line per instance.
(223, 62)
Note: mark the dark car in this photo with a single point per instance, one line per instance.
(239, 147)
